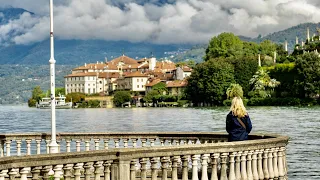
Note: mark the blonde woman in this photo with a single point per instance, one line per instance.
(238, 123)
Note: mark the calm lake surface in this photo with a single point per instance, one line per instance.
(300, 123)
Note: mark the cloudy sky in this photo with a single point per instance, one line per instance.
(157, 21)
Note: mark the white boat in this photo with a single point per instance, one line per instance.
(45, 103)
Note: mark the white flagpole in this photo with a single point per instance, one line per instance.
(53, 144)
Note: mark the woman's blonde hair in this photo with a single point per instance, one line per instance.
(237, 107)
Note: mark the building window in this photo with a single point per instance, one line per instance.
(141, 80)
(137, 86)
(94, 90)
(142, 86)
(88, 84)
(93, 84)
(89, 91)
(137, 80)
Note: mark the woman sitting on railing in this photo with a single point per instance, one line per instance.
(238, 123)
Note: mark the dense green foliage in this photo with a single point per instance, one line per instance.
(209, 81)
(121, 97)
(234, 90)
(224, 45)
(75, 97)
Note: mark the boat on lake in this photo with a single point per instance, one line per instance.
(45, 103)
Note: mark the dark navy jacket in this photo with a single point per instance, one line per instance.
(234, 128)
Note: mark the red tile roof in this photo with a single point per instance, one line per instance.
(109, 75)
(124, 59)
(153, 82)
(176, 83)
(136, 74)
(82, 74)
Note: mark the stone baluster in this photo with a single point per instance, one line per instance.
(223, 174)
(107, 165)
(169, 142)
(36, 172)
(275, 163)
(38, 142)
(96, 144)
(178, 142)
(125, 142)
(280, 164)
(249, 165)
(254, 165)
(184, 160)
(238, 167)
(154, 168)
(134, 142)
(77, 171)
(12, 174)
(152, 142)
(204, 163)
(214, 164)
(47, 146)
(67, 171)
(270, 163)
(45, 171)
(133, 169)
(164, 166)
(106, 143)
(162, 141)
(232, 175)
(28, 141)
(265, 164)
(260, 166)
(184, 141)
(244, 175)
(285, 162)
(87, 145)
(97, 166)
(144, 142)
(3, 174)
(175, 161)
(8, 144)
(116, 142)
(1, 148)
(18, 147)
(195, 159)
(68, 145)
(78, 145)
(87, 170)
(143, 162)
(57, 172)
(23, 173)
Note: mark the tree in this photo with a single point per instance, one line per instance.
(224, 45)
(36, 93)
(263, 85)
(121, 97)
(308, 68)
(244, 68)
(160, 88)
(75, 97)
(209, 81)
(234, 90)
(149, 97)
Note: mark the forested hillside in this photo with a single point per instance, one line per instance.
(17, 81)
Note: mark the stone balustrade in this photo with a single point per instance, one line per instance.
(160, 156)
(38, 143)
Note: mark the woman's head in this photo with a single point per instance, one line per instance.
(237, 107)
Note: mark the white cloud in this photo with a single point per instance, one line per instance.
(178, 21)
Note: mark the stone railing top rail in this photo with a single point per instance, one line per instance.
(107, 135)
(275, 141)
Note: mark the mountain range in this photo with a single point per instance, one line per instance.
(75, 52)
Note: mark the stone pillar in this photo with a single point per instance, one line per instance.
(96, 144)
(154, 168)
(78, 145)
(164, 166)
(67, 171)
(106, 144)
(297, 40)
(77, 171)
(214, 163)
(286, 45)
(280, 164)
(38, 141)
(8, 144)
(125, 142)
(68, 145)
(143, 163)
(249, 166)
(28, 141)
(23, 173)
(18, 147)
(232, 175)
(132, 169)
(120, 170)
(204, 174)
(116, 142)
(57, 172)
(275, 163)
(184, 160)
(174, 174)
(87, 170)
(36, 172)
(274, 56)
(308, 34)
(3, 174)
(223, 175)
(97, 166)
(12, 174)
(259, 60)
(1, 148)
(238, 161)
(87, 145)
(270, 163)
(243, 165)
(265, 164)
(254, 165)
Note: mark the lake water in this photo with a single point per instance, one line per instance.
(300, 123)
